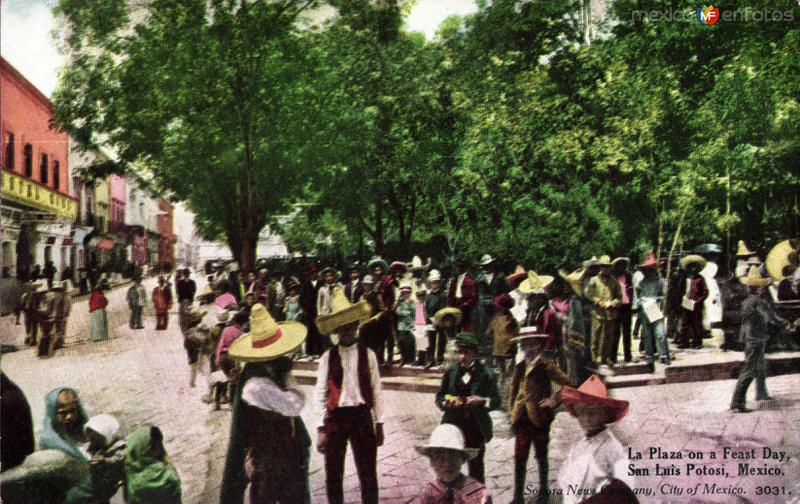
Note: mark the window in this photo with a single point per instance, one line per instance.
(43, 170)
(9, 151)
(56, 174)
(28, 153)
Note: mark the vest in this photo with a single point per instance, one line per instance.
(336, 375)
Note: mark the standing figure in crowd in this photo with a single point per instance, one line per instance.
(463, 294)
(467, 393)
(49, 273)
(330, 277)
(149, 476)
(353, 289)
(269, 443)
(186, 287)
(540, 314)
(619, 268)
(502, 329)
(420, 326)
(758, 316)
(447, 453)
(388, 288)
(406, 309)
(46, 313)
(162, 302)
(435, 300)
(348, 402)
(63, 306)
(491, 283)
(576, 330)
(743, 254)
(97, 313)
(291, 307)
(532, 408)
(596, 468)
(30, 300)
(604, 292)
(371, 331)
(309, 293)
(193, 339)
(136, 297)
(649, 299)
(692, 293)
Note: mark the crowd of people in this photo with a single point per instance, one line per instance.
(500, 341)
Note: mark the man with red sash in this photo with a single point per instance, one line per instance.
(348, 399)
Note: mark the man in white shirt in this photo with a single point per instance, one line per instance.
(348, 400)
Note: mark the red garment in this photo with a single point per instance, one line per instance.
(336, 375)
(97, 301)
(698, 291)
(469, 298)
(386, 290)
(162, 299)
(547, 322)
(471, 491)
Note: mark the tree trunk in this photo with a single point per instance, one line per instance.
(379, 225)
(247, 260)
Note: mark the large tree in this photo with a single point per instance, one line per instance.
(202, 99)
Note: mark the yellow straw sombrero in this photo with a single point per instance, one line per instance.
(343, 313)
(267, 339)
(439, 316)
(535, 283)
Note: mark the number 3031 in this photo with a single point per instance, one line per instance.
(771, 490)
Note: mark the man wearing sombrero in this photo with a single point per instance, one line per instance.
(309, 292)
(693, 293)
(348, 401)
(491, 283)
(649, 300)
(269, 443)
(596, 468)
(467, 393)
(532, 403)
(577, 330)
(463, 294)
(757, 317)
(604, 291)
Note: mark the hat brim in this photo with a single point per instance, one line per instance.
(469, 453)
(692, 259)
(755, 282)
(616, 408)
(522, 337)
(525, 286)
(358, 312)
(620, 260)
(378, 262)
(444, 312)
(293, 334)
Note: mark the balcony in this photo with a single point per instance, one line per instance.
(32, 194)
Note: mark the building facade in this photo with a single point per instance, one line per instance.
(166, 236)
(37, 208)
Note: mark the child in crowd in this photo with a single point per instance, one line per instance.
(405, 310)
(596, 468)
(106, 453)
(447, 454)
(291, 309)
(420, 328)
(149, 476)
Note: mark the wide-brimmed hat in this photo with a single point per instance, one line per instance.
(518, 276)
(743, 251)
(782, 255)
(594, 391)
(619, 260)
(330, 269)
(574, 279)
(405, 285)
(503, 302)
(487, 259)
(451, 311)
(529, 332)
(692, 259)
(415, 264)
(354, 266)
(754, 261)
(649, 260)
(466, 340)
(535, 284)
(377, 261)
(368, 279)
(447, 437)
(755, 279)
(398, 266)
(343, 313)
(588, 263)
(604, 260)
(267, 339)
(434, 276)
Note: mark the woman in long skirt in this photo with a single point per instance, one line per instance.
(97, 310)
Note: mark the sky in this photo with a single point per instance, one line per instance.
(26, 40)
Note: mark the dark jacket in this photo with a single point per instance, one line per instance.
(434, 302)
(187, 289)
(484, 384)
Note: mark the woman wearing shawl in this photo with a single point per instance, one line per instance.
(150, 478)
(63, 423)
(97, 309)
(269, 443)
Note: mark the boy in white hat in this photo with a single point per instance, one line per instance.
(447, 453)
(106, 453)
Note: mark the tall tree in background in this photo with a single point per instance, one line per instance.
(206, 97)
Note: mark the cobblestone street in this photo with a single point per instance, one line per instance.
(142, 376)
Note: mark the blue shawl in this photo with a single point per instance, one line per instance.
(53, 435)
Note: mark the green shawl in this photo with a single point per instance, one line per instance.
(149, 480)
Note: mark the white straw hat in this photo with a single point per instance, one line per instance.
(447, 437)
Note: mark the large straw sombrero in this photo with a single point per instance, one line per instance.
(535, 284)
(444, 312)
(593, 391)
(693, 259)
(574, 279)
(604, 260)
(782, 255)
(267, 339)
(343, 313)
(754, 278)
(743, 251)
(487, 259)
(649, 260)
